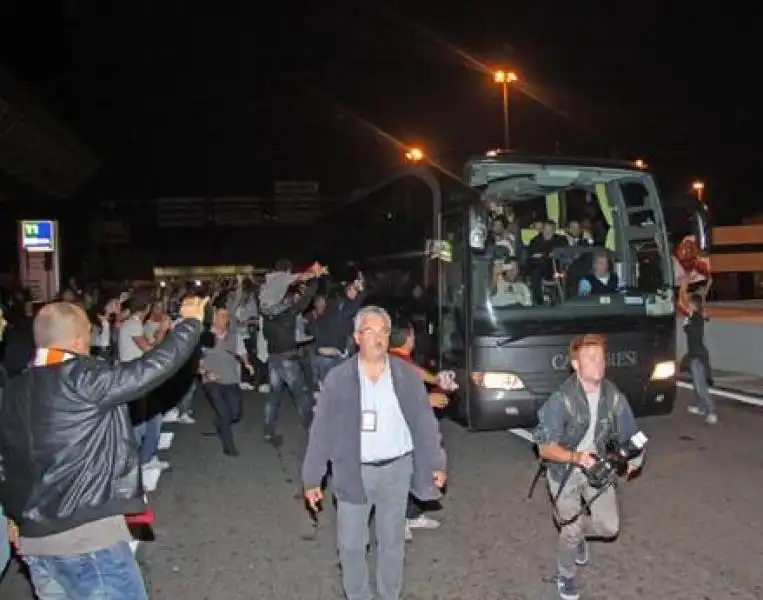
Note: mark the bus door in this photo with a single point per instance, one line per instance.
(452, 313)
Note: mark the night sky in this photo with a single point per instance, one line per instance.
(223, 98)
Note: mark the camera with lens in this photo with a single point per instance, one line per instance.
(614, 463)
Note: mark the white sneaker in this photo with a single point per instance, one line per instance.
(186, 419)
(156, 463)
(172, 416)
(423, 522)
(711, 419)
(693, 409)
(264, 388)
(247, 387)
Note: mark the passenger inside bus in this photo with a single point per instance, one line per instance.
(527, 250)
(508, 288)
(602, 280)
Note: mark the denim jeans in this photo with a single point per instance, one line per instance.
(186, 402)
(286, 373)
(322, 365)
(109, 574)
(147, 435)
(702, 394)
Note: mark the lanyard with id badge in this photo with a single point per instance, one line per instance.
(368, 416)
(368, 421)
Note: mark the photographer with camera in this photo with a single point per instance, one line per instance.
(587, 436)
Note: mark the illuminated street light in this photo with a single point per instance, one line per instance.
(414, 155)
(504, 78)
(699, 188)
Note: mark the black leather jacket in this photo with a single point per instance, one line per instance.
(67, 451)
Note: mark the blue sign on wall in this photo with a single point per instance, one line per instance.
(38, 236)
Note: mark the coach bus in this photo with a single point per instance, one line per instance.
(431, 234)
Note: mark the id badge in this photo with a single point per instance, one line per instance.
(368, 421)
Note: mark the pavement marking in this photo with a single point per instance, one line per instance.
(738, 396)
(523, 433)
(165, 439)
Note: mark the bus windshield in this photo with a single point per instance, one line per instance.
(558, 252)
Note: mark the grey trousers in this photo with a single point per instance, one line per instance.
(604, 521)
(386, 489)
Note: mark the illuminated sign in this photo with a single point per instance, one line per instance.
(38, 236)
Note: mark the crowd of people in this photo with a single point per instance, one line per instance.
(91, 376)
(133, 349)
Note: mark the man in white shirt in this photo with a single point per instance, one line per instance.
(133, 344)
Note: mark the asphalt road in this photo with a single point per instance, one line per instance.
(230, 529)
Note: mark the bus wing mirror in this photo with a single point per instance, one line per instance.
(477, 228)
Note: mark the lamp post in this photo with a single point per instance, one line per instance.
(698, 187)
(504, 78)
(414, 155)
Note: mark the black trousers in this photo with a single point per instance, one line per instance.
(226, 401)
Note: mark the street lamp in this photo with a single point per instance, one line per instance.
(414, 155)
(699, 188)
(504, 78)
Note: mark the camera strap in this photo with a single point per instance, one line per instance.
(585, 504)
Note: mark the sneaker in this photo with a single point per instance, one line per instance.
(423, 522)
(172, 416)
(246, 386)
(581, 554)
(693, 409)
(155, 463)
(408, 533)
(264, 388)
(186, 419)
(711, 419)
(567, 588)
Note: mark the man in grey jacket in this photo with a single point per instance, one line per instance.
(397, 450)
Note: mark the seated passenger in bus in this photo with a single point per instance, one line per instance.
(540, 263)
(508, 288)
(577, 236)
(602, 280)
(504, 239)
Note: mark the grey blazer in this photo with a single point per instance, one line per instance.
(335, 433)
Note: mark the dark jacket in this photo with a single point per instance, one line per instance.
(279, 326)
(67, 450)
(335, 433)
(564, 418)
(333, 329)
(19, 345)
(598, 288)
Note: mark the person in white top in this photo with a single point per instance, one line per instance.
(133, 344)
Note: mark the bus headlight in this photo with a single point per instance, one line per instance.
(498, 381)
(664, 370)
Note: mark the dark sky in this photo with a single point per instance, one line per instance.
(223, 98)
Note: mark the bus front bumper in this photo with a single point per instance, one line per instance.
(497, 410)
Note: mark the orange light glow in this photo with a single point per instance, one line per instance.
(414, 155)
(505, 77)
